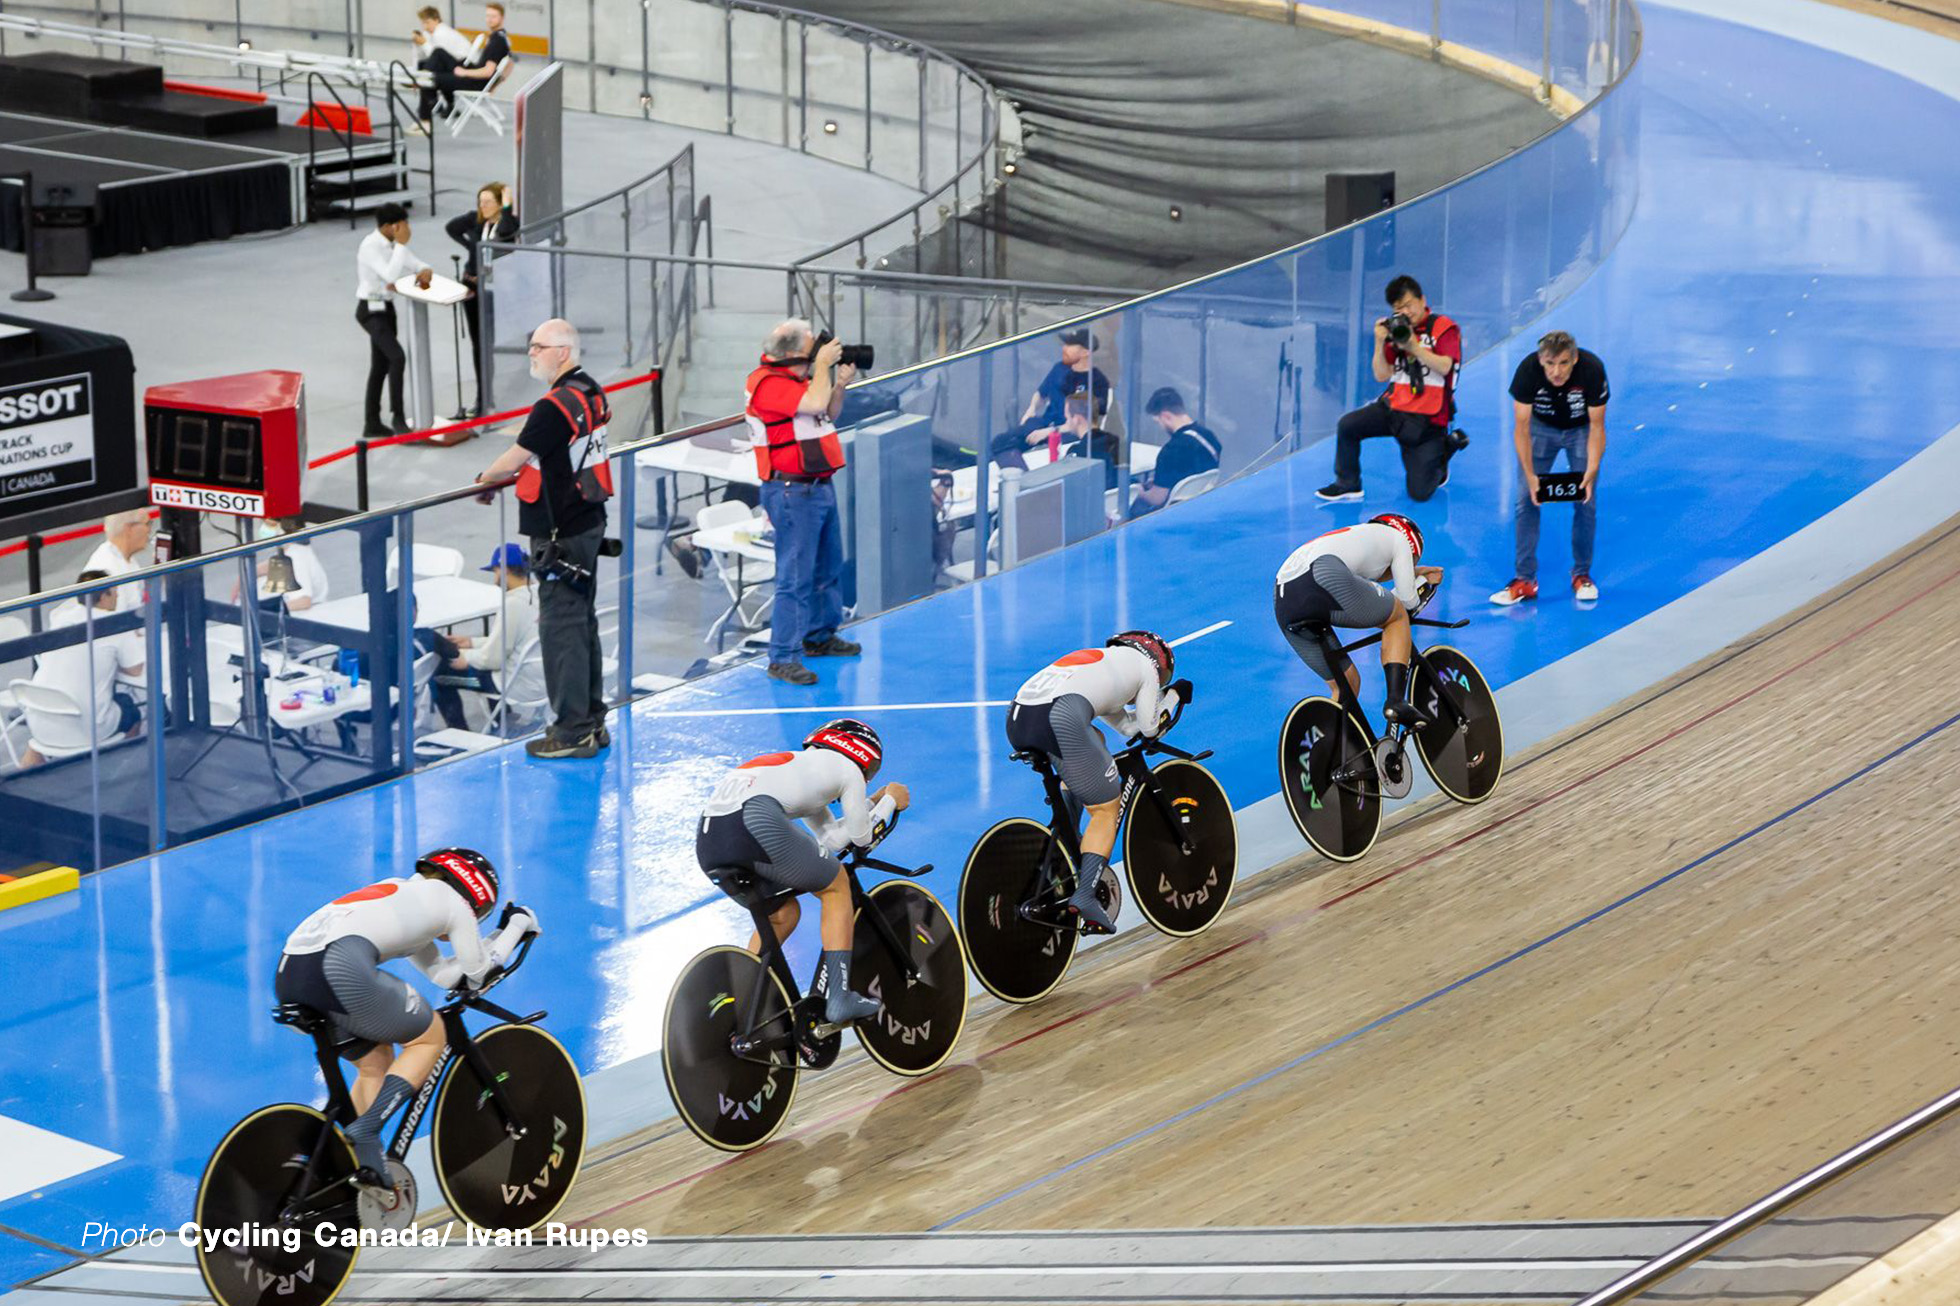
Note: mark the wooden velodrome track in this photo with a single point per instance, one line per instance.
(1691, 947)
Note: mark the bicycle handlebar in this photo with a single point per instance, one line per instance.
(858, 857)
(467, 997)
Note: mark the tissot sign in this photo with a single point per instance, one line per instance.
(47, 436)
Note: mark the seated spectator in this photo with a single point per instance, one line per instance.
(469, 70)
(125, 548)
(1074, 375)
(1077, 438)
(307, 569)
(86, 672)
(1190, 450)
(510, 638)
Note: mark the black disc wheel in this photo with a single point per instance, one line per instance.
(922, 1017)
(514, 1173)
(1181, 892)
(1463, 747)
(1018, 864)
(281, 1169)
(731, 1100)
(1327, 773)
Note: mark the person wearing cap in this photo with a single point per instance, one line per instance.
(1074, 375)
(512, 631)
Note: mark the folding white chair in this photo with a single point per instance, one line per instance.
(521, 696)
(748, 581)
(426, 560)
(1192, 486)
(11, 713)
(482, 105)
(55, 726)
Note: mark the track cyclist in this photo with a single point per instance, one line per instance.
(1055, 713)
(332, 963)
(1338, 579)
(750, 822)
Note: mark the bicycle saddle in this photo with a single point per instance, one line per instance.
(747, 888)
(301, 1017)
(1033, 757)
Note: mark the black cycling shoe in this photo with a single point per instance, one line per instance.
(1403, 713)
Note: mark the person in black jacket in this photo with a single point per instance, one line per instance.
(492, 220)
(449, 74)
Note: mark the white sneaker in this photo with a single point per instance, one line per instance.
(1583, 589)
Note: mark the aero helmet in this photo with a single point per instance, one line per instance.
(1410, 531)
(1151, 647)
(466, 871)
(854, 739)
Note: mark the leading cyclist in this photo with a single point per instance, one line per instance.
(750, 822)
(1055, 713)
(1337, 579)
(332, 964)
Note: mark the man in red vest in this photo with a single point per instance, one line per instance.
(793, 400)
(1417, 352)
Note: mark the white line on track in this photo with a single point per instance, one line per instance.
(1200, 634)
(831, 708)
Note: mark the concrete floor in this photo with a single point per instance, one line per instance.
(285, 300)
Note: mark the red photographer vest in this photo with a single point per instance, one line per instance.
(801, 444)
(582, 402)
(1434, 400)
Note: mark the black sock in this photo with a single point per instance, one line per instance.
(1397, 675)
(365, 1132)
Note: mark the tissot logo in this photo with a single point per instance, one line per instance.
(43, 401)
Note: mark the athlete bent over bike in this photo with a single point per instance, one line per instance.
(332, 963)
(750, 822)
(1337, 578)
(1055, 713)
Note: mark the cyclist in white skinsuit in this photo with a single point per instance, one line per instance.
(332, 963)
(1055, 713)
(750, 821)
(1338, 579)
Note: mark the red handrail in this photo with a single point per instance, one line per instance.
(83, 532)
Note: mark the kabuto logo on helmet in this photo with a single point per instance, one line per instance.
(468, 876)
(854, 739)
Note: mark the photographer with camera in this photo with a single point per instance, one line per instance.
(1417, 352)
(563, 482)
(793, 400)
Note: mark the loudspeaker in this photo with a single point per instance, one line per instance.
(1352, 196)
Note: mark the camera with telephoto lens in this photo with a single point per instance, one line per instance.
(1400, 329)
(858, 356)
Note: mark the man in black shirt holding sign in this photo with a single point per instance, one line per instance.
(1559, 396)
(563, 482)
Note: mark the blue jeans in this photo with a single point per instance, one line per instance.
(809, 564)
(1546, 442)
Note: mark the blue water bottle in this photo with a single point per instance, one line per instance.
(350, 666)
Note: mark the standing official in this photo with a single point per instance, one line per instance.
(1559, 397)
(383, 259)
(493, 221)
(793, 399)
(563, 482)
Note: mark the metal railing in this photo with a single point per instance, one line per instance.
(1637, 1283)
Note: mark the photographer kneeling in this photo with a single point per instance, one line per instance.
(1417, 352)
(563, 482)
(793, 400)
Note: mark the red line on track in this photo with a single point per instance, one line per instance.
(1265, 932)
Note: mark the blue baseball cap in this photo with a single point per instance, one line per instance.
(511, 556)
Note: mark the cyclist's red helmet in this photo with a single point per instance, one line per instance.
(466, 871)
(1410, 531)
(854, 739)
(1151, 647)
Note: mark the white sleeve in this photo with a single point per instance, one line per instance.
(369, 267)
(1402, 569)
(402, 261)
(471, 956)
(861, 820)
(442, 971)
(1142, 719)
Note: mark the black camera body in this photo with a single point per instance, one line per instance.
(858, 356)
(552, 563)
(1400, 329)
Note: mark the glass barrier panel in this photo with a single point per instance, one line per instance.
(765, 78)
(686, 62)
(834, 67)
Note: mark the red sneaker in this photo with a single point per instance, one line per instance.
(1516, 592)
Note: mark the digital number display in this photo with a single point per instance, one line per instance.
(206, 449)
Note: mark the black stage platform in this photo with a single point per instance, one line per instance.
(45, 811)
(159, 168)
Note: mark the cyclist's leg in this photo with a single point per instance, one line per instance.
(1302, 600)
(1367, 603)
(1089, 771)
(724, 841)
(797, 861)
(369, 1070)
(381, 1008)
